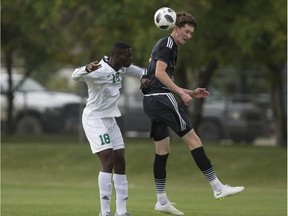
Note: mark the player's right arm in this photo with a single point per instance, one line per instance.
(80, 72)
(92, 66)
(163, 77)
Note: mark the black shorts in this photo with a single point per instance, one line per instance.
(164, 113)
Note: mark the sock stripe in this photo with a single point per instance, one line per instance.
(210, 174)
(160, 185)
(160, 180)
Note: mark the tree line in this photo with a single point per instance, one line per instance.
(245, 34)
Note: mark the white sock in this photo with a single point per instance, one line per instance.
(216, 185)
(105, 190)
(162, 198)
(121, 191)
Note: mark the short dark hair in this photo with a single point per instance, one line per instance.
(119, 47)
(184, 18)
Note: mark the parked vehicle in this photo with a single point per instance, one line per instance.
(37, 110)
(231, 118)
(133, 121)
(222, 118)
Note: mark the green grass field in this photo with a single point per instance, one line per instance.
(58, 176)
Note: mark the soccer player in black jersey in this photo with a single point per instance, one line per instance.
(163, 110)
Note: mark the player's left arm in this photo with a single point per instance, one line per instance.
(135, 70)
(140, 72)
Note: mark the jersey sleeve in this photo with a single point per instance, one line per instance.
(79, 73)
(165, 50)
(135, 70)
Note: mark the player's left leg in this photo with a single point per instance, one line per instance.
(120, 183)
(204, 164)
(119, 176)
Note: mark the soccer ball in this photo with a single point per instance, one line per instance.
(165, 18)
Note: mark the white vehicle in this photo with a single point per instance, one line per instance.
(37, 110)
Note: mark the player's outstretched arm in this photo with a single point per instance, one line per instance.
(80, 72)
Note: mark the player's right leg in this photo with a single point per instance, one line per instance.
(106, 214)
(162, 149)
(105, 180)
(105, 190)
(158, 109)
(159, 169)
(100, 143)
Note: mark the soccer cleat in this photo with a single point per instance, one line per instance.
(227, 191)
(106, 214)
(167, 208)
(125, 214)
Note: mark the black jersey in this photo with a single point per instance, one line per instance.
(165, 50)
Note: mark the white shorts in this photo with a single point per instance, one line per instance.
(102, 133)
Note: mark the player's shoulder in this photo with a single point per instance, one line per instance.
(102, 71)
(104, 64)
(167, 42)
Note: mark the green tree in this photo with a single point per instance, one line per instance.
(75, 32)
(261, 37)
(27, 40)
(239, 33)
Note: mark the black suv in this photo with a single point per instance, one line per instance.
(222, 118)
(231, 118)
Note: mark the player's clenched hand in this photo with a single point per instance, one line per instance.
(186, 98)
(199, 93)
(92, 66)
(144, 82)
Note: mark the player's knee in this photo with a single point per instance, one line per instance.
(197, 140)
(162, 147)
(162, 151)
(159, 137)
(119, 162)
(192, 140)
(107, 164)
(119, 168)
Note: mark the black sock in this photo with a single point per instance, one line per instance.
(201, 159)
(203, 163)
(159, 169)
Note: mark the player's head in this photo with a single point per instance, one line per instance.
(184, 27)
(184, 18)
(121, 53)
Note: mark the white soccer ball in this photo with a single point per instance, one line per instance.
(165, 18)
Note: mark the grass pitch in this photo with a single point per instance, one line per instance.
(58, 176)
